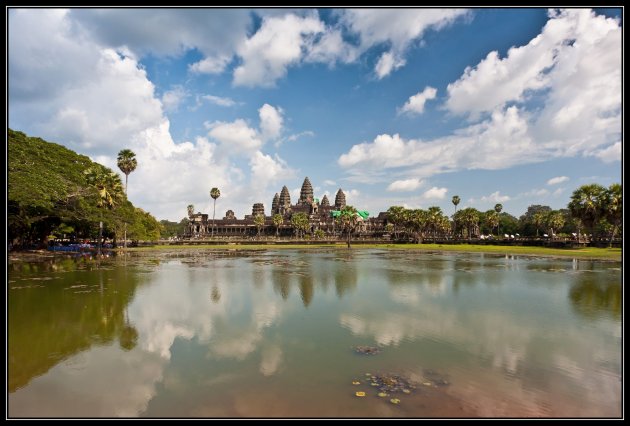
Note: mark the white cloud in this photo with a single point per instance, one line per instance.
(211, 65)
(330, 182)
(395, 28)
(293, 137)
(575, 49)
(415, 104)
(556, 180)
(404, 185)
(278, 44)
(540, 192)
(387, 63)
(495, 197)
(267, 170)
(500, 142)
(435, 193)
(271, 122)
(171, 99)
(236, 137)
(609, 154)
(220, 101)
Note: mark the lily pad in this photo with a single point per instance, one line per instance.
(382, 394)
(360, 394)
(395, 401)
(367, 350)
(356, 382)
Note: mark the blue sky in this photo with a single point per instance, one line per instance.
(395, 106)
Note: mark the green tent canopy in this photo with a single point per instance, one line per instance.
(363, 213)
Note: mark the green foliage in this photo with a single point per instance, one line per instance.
(49, 195)
(173, 229)
(300, 223)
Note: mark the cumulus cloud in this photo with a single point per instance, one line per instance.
(556, 180)
(495, 197)
(271, 122)
(278, 44)
(171, 99)
(404, 185)
(235, 137)
(415, 104)
(435, 193)
(576, 49)
(395, 28)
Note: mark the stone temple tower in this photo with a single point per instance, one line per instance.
(285, 198)
(306, 194)
(325, 202)
(258, 208)
(275, 204)
(340, 200)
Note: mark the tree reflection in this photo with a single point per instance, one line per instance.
(306, 289)
(49, 323)
(592, 298)
(281, 283)
(345, 273)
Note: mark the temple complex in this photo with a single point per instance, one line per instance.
(321, 216)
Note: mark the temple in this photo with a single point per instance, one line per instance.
(321, 217)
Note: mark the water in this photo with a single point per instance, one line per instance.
(205, 333)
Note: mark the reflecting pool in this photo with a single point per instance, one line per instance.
(203, 333)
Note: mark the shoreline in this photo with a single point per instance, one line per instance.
(587, 253)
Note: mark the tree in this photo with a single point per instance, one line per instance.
(492, 220)
(554, 221)
(214, 193)
(191, 210)
(587, 204)
(395, 217)
(348, 219)
(497, 208)
(613, 208)
(259, 221)
(109, 189)
(126, 163)
(300, 223)
(278, 220)
(469, 217)
(455, 202)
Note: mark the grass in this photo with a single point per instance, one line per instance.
(594, 253)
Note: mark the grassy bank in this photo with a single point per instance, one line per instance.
(613, 254)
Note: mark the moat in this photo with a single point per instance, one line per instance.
(304, 333)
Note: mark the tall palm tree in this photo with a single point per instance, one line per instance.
(214, 193)
(259, 221)
(613, 208)
(126, 163)
(191, 210)
(109, 189)
(555, 221)
(348, 219)
(497, 208)
(455, 201)
(278, 219)
(586, 204)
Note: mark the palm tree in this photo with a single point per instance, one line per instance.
(278, 219)
(497, 208)
(126, 163)
(214, 193)
(492, 220)
(259, 221)
(109, 189)
(300, 223)
(455, 201)
(555, 221)
(191, 210)
(613, 208)
(538, 220)
(587, 204)
(348, 219)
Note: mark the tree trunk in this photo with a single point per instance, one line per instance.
(213, 210)
(100, 236)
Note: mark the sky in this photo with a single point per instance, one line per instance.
(409, 107)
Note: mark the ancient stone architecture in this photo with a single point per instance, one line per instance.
(320, 216)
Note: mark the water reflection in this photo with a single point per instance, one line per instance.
(211, 333)
(75, 309)
(592, 298)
